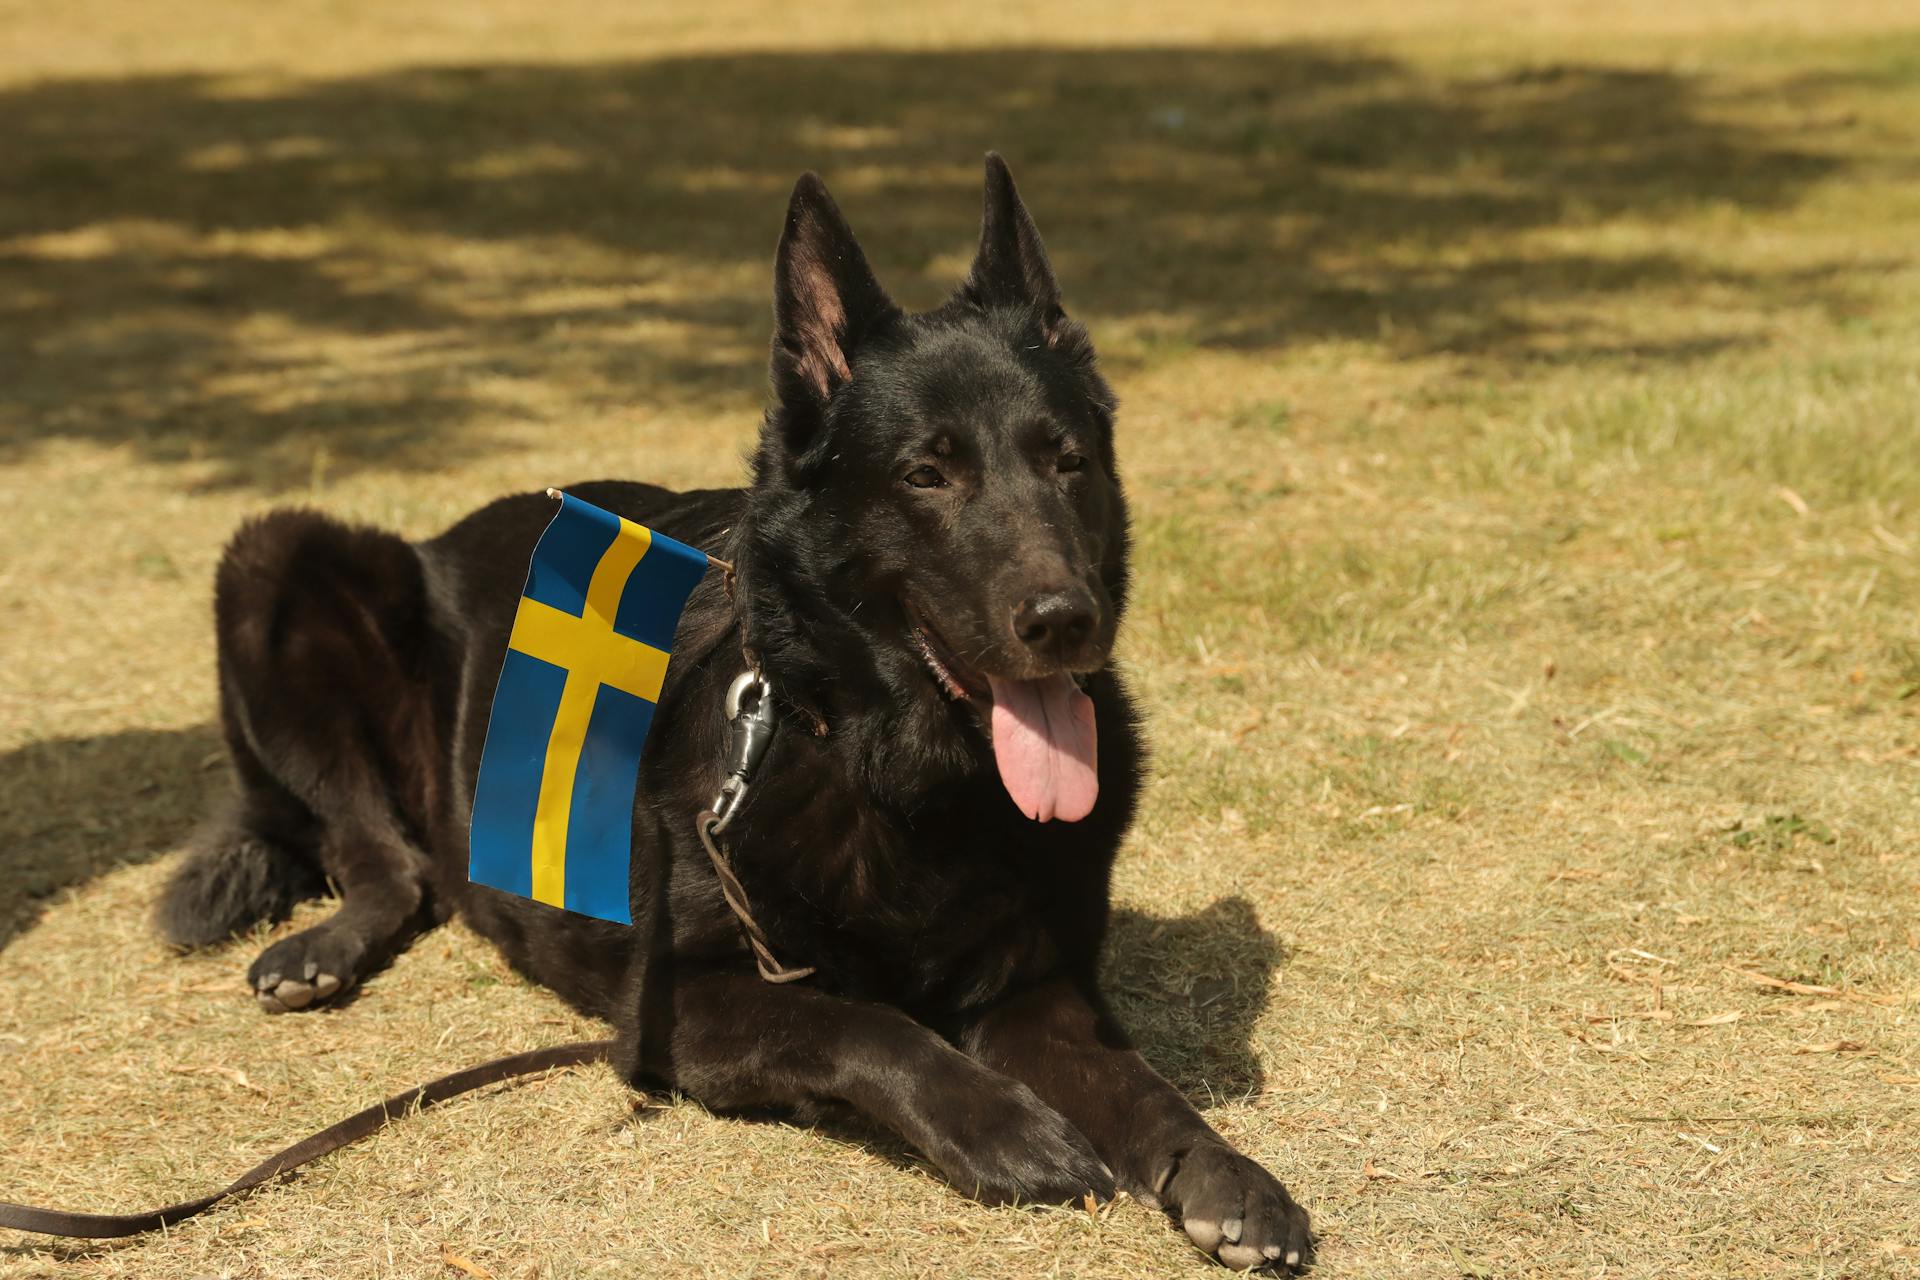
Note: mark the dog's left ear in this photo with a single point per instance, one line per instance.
(1011, 268)
(824, 298)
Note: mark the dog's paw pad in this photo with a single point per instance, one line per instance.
(1237, 1211)
(1241, 1258)
(283, 995)
(306, 970)
(1204, 1232)
(294, 995)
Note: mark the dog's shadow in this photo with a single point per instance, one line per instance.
(1189, 989)
(74, 808)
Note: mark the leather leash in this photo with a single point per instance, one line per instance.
(108, 1226)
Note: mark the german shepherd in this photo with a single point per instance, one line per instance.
(931, 567)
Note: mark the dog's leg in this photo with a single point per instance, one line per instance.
(734, 1041)
(323, 646)
(1061, 1042)
(382, 882)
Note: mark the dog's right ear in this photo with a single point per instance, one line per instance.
(824, 300)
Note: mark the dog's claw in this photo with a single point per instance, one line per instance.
(325, 985)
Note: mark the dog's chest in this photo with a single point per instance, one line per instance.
(944, 910)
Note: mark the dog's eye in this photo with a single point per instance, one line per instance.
(1070, 462)
(926, 478)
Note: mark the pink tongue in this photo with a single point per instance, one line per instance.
(1043, 739)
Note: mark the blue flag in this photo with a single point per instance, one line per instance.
(553, 807)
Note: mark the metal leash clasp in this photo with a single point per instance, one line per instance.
(749, 710)
(750, 725)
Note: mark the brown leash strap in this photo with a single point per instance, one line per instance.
(105, 1226)
(770, 968)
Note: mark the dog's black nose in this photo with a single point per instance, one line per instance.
(1055, 624)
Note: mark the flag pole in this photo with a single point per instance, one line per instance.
(725, 566)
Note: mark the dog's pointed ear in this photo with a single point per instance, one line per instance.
(1011, 268)
(824, 297)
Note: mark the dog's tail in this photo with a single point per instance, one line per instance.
(233, 879)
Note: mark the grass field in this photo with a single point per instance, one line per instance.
(1522, 413)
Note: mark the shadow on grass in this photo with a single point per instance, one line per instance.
(74, 808)
(179, 251)
(1189, 990)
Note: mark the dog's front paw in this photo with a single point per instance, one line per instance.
(310, 968)
(1233, 1209)
(1025, 1153)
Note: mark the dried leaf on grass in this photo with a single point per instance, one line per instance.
(1373, 1172)
(227, 987)
(1647, 1015)
(1831, 1046)
(458, 1263)
(1808, 988)
(1466, 1265)
(233, 1074)
(1666, 1015)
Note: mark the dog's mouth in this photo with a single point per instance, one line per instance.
(1042, 729)
(955, 678)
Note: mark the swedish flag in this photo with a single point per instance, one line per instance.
(553, 807)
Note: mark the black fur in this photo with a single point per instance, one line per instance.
(935, 502)
(231, 880)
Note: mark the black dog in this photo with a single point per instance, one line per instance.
(932, 563)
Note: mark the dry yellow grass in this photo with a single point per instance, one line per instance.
(1521, 410)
